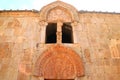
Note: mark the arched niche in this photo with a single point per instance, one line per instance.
(66, 9)
(59, 62)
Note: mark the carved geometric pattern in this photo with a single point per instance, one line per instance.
(59, 62)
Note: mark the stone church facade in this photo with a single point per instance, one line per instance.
(59, 42)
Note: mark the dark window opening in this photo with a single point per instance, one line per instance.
(67, 34)
(51, 33)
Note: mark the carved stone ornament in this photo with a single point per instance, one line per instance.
(59, 11)
(59, 62)
(75, 23)
(43, 23)
(59, 14)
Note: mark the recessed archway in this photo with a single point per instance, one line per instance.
(65, 8)
(59, 62)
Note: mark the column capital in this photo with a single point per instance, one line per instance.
(43, 23)
(75, 23)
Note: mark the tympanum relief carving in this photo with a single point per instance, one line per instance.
(59, 14)
(59, 62)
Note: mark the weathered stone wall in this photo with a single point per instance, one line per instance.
(100, 38)
(19, 34)
(98, 44)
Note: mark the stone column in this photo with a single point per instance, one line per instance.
(59, 32)
(43, 25)
(75, 38)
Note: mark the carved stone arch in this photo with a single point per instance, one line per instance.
(59, 62)
(69, 8)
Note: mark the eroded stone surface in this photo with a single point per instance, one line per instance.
(96, 40)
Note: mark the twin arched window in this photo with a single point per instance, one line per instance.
(51, 33)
